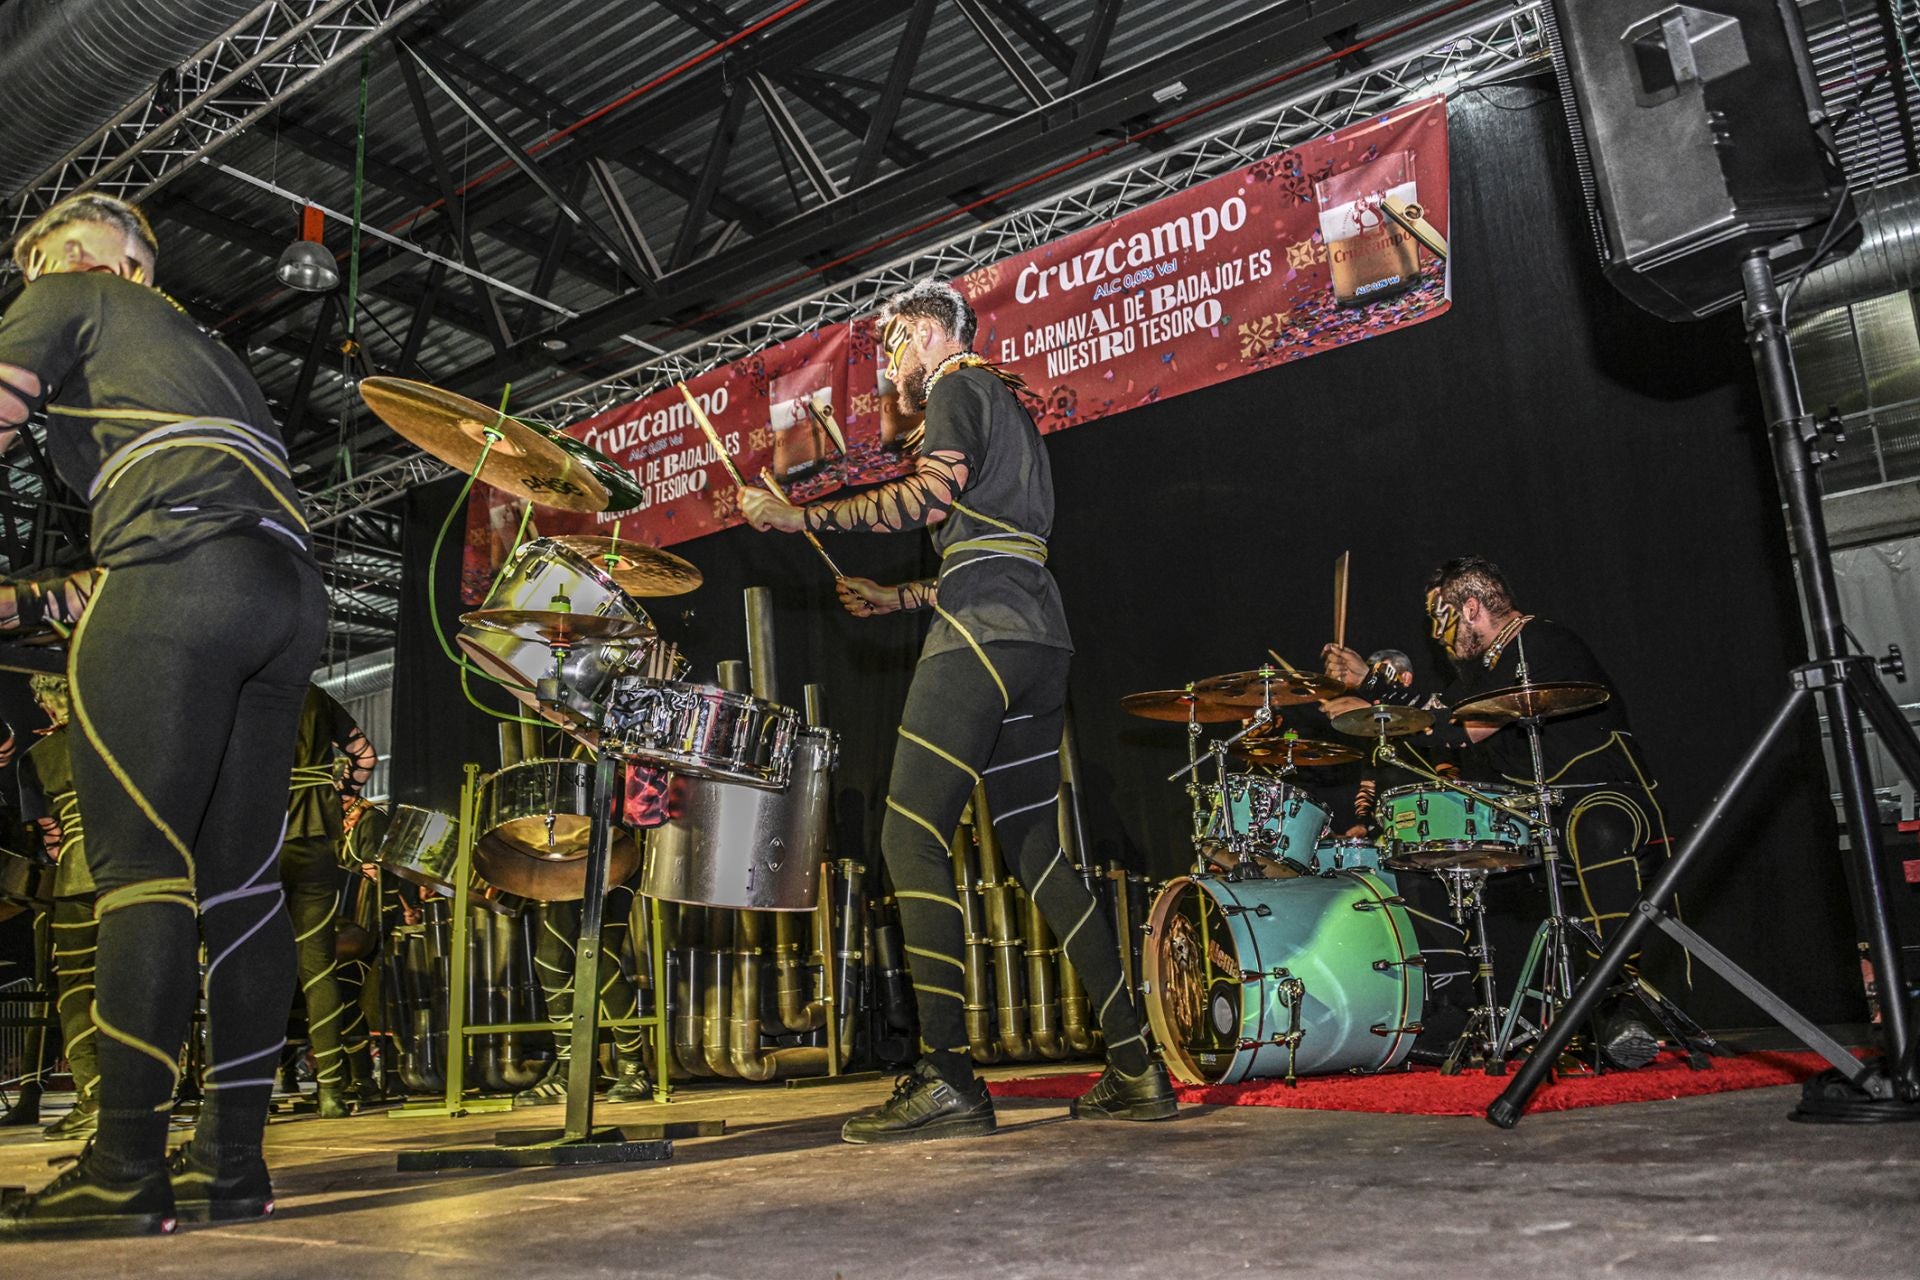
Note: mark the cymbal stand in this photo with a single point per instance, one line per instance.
(1466, 892)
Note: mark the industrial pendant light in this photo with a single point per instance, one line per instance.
(306, 265)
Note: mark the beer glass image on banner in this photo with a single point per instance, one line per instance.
(1368, 255)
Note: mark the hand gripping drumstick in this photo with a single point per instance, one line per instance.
(713, 438)
(1340, 598)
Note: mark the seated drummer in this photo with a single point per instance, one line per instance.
(1612, 827)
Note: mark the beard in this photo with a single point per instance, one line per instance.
(913, 389)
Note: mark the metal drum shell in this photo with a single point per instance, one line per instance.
(422, 846)
(533, 576)
(1329, 931)
(1272, 816)
(1450, 830)
(751, 848)
(701, 730)
(514, 805)
(1345, 853)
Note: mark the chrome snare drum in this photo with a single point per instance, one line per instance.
(701, 730)
(544, 575)
(727, 845)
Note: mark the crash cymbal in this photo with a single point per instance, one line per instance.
(1369, 721)
(1302, 753)
(1527, 701)
(1280, 687)
(636, 568)
(559, 629)
(1178, 704)
(526, 461)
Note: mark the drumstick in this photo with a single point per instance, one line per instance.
(767, 477)
(1340, 600)
(713, 437)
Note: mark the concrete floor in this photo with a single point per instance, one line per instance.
(1719, 1186)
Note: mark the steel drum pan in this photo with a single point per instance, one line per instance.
(422, 846)
(748, 847)
(535, 823)
(24, 882)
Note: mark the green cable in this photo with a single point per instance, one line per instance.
(359, 194)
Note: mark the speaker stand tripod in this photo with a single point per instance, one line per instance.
(1883, 1089)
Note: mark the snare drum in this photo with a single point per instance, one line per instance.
(1431, 828)
(701, 730)
(1272, 817)
(544, 575)
(1233, 969)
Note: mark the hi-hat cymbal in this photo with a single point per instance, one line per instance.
(1302, 753)
(1279, 687)
(525, 461)
(1179, 704)
(558, 629)
(1528, 701)
(1371, 721)
(637, 569)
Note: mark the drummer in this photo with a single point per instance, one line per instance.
(331, 764)
(1612, 824)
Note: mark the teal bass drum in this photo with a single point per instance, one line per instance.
(1257, 979)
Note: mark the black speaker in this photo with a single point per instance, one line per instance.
(1699, 135)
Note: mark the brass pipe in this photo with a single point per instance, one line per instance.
(748, 1060)
(1043, 986)
(976, 977)
(1072, 810)
(798, 1012)
(1123, 923)
(1076, 1011)
(1003, 928)
(890, 970)
(509, 744)
(714, 1005)
(688, 980)
(762, 673)
(731, 675)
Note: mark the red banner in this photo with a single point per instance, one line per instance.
(1268, 264)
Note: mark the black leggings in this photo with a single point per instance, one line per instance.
(312, 878)
(995, 713)
(553, 958)
(75, 940)
(187, 678)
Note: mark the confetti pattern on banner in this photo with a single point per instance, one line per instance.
(1271, 263)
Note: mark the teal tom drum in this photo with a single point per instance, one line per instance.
(1264, 978)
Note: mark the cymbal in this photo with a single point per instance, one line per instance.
(526, 461)
(636, 568)
(1177, 704)
(1304, 753)
(1279, 687)
(559, 629)
(1528, 701)
(1369, 721)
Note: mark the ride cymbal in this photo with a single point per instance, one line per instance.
(558, 629)
(1302, 753)
(1273, 685)
(1179, 704)
(1372, 721)
(1531, 701)
(526, 460)
(637, 569)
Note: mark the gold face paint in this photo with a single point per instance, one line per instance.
(1446, 621)
(894, 340)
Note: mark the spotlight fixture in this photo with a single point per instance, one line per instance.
(306, 265)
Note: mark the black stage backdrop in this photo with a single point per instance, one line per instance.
(1613, 463)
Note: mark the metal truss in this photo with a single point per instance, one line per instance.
(376, 488)
(1477, 51)
(282, 47)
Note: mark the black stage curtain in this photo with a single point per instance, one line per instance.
(1614, 464)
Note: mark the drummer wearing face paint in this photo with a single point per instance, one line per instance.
(987, 702)
(1613, 827)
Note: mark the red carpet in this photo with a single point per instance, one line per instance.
(1424, 1091)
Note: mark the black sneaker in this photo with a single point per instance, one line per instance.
(632, 1086)
(1118, 1096)
(83, 1121)
(1627, 1043)
(201, 1193)
(925, 1106)
(85, 1202)
(330, 1102)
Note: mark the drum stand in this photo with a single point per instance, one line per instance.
(1203, 827)
(1466, 889)
(579, 1143)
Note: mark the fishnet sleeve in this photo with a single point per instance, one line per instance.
(911, 502)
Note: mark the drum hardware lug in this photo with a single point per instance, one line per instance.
(1372, 904)
(1411, 1029)
(1262, 910)
(1146, 930)
(1420, 807)
(1411, 962)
